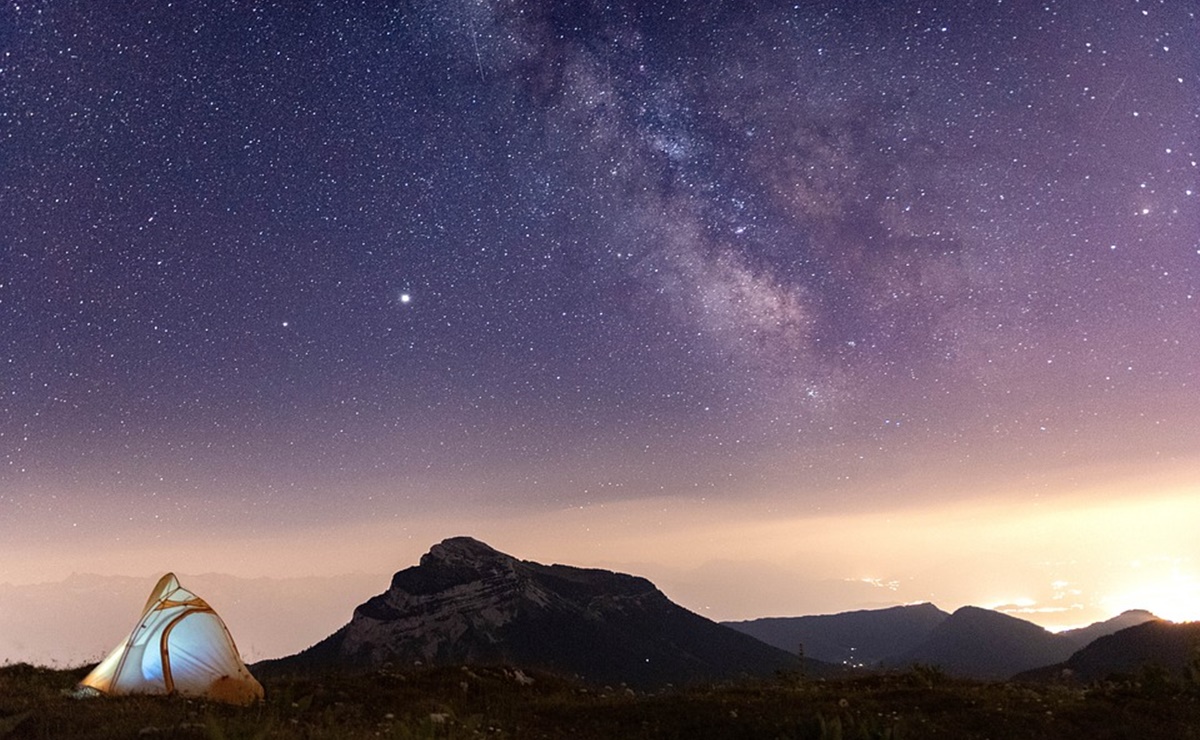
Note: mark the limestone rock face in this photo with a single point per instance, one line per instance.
(455, 604)
(468, 603)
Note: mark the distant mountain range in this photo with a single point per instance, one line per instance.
(864, 638)
(468, 603)
(986, 644)
(972, 642)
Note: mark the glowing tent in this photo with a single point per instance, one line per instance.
(179, 646)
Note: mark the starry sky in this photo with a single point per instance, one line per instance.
(792, 307)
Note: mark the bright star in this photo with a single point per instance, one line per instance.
(405, 298)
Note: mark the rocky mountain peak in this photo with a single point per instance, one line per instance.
(462, 551)
(469, 603)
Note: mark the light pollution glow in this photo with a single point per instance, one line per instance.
(1057, 561)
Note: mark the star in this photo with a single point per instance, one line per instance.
(654, 269)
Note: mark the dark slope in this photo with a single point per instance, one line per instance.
(1165, 644)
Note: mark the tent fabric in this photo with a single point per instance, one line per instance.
(179, 646)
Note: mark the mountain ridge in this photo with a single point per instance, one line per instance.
(972, 642)
(859, 638)
(981, 643)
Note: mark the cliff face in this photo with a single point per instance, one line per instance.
(468, 603)
(457, 604)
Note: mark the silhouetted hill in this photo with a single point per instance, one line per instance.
(985, 644)
(468, 603)
(864, 637)
(1085, 635)
(1166, 644)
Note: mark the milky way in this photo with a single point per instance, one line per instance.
(270, 264)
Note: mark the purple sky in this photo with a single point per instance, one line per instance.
(707, 290)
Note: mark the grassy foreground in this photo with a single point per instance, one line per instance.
(479, 702)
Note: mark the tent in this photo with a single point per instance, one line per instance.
(179, 646)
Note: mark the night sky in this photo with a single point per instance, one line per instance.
(907, 291)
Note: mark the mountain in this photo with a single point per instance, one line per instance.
(1085, 635)
(468, 603)
(857, 638)
(985, 644)
(1166, 644)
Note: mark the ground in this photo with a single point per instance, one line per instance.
(499, 702)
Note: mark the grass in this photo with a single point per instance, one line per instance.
(496, 702)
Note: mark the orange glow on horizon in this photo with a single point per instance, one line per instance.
(1169, 589)
(1057, 561)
